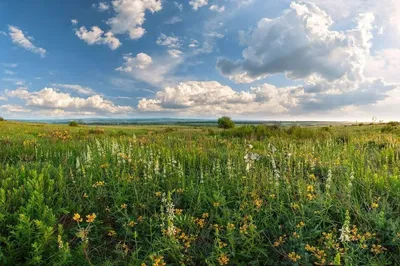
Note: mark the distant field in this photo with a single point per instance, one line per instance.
(199, 195)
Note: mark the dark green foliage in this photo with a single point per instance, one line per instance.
(225, 122)
(73, 124)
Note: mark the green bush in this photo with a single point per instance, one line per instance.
(73, 124)
(1, 118)
(225, 122)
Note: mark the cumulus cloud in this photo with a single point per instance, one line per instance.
(74, 21)
(300, 44)
(130, 16)
(12, 108)
(50, 99)
(384, 63)
(196, 4)
(169, 41)
(218, 9)
(141, 61)
(76, 88)
(97, 36)
(19, 38)
(102, 6)
(155, 71)
(213, 98)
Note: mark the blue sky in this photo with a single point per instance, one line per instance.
(252, 59)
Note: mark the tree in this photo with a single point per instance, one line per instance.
(225, 122)
(1, 118)
(73, 124)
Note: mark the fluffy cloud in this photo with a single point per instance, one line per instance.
(155, 71)
(196, 4)
(76, 88)
(97, 36)
(102, 6)
(169, 41)
(12, 108)
(50, 99)
(213, 98)
(74, 21)
(217, 8)
(130, 16)
(301, 44)
(19, 38)
(141, 61)
(384, 63)
(179, 6)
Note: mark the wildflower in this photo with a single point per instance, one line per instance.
(99, 184)
(178, 211)
(111, 233)
(205, 215)
(216, 204)
(310, 188)
(158, 261)
(108, 209)
(345, 231)
(200, 222)
(131, 223)
(180, 190)
(293, 256)
(312, 176)
(377, 249)
(230, 226)
(296, 235)
(294, 206)
(310, 196)
(158, 194)
(374, 205)
(280, 241)
(300, 225)
(77, 217)
(223, 259)
(258, 203)
(140, 218)
(85, 195)
(124, 206)
(272, 196)
(90, 218)
(221, 244)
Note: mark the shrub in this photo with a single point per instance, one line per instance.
(73, 124)
(1, 118)
(96, 131)
(225, 122)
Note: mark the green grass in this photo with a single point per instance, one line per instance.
(185, 195)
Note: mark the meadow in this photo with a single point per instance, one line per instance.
(185, 195)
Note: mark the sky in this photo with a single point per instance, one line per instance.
(248, 59)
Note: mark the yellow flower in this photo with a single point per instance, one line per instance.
(300, 225)
(111, 233)
(223, 259)
(377, 249)
(85, 195)
(90, 218)
(178, 211)
(310, 196)
(158, 194)
(124, 206)
(280, 241)
(158, 261)
(230, 226)
(293, 256)
(258, 203)
(204, 215)
(272, 196)
(312, 177)
(216, 204)
(374, 205)
(180, 190)
(296, 235)
(131, 224)
(294, 206)
(77, 217)
(310, 188)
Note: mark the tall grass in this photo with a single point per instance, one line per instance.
(91, 196)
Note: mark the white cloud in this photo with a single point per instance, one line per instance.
(9, 72)
(384, 63)
(19, 38)
(3, 33)
(179, 6)
(50, 99)
(97, 36)
(213, 98)
(11, 108)
(175, 53)
(77, 88)
(169, 41)
(74, 21)
(196, 4)
(130, 16)
(301, 44)
(141, 61)
(193, 43)
(214, 34)
(218, 9)
(174, 20)
(156, 71)
(102, 6)
(3, 98)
